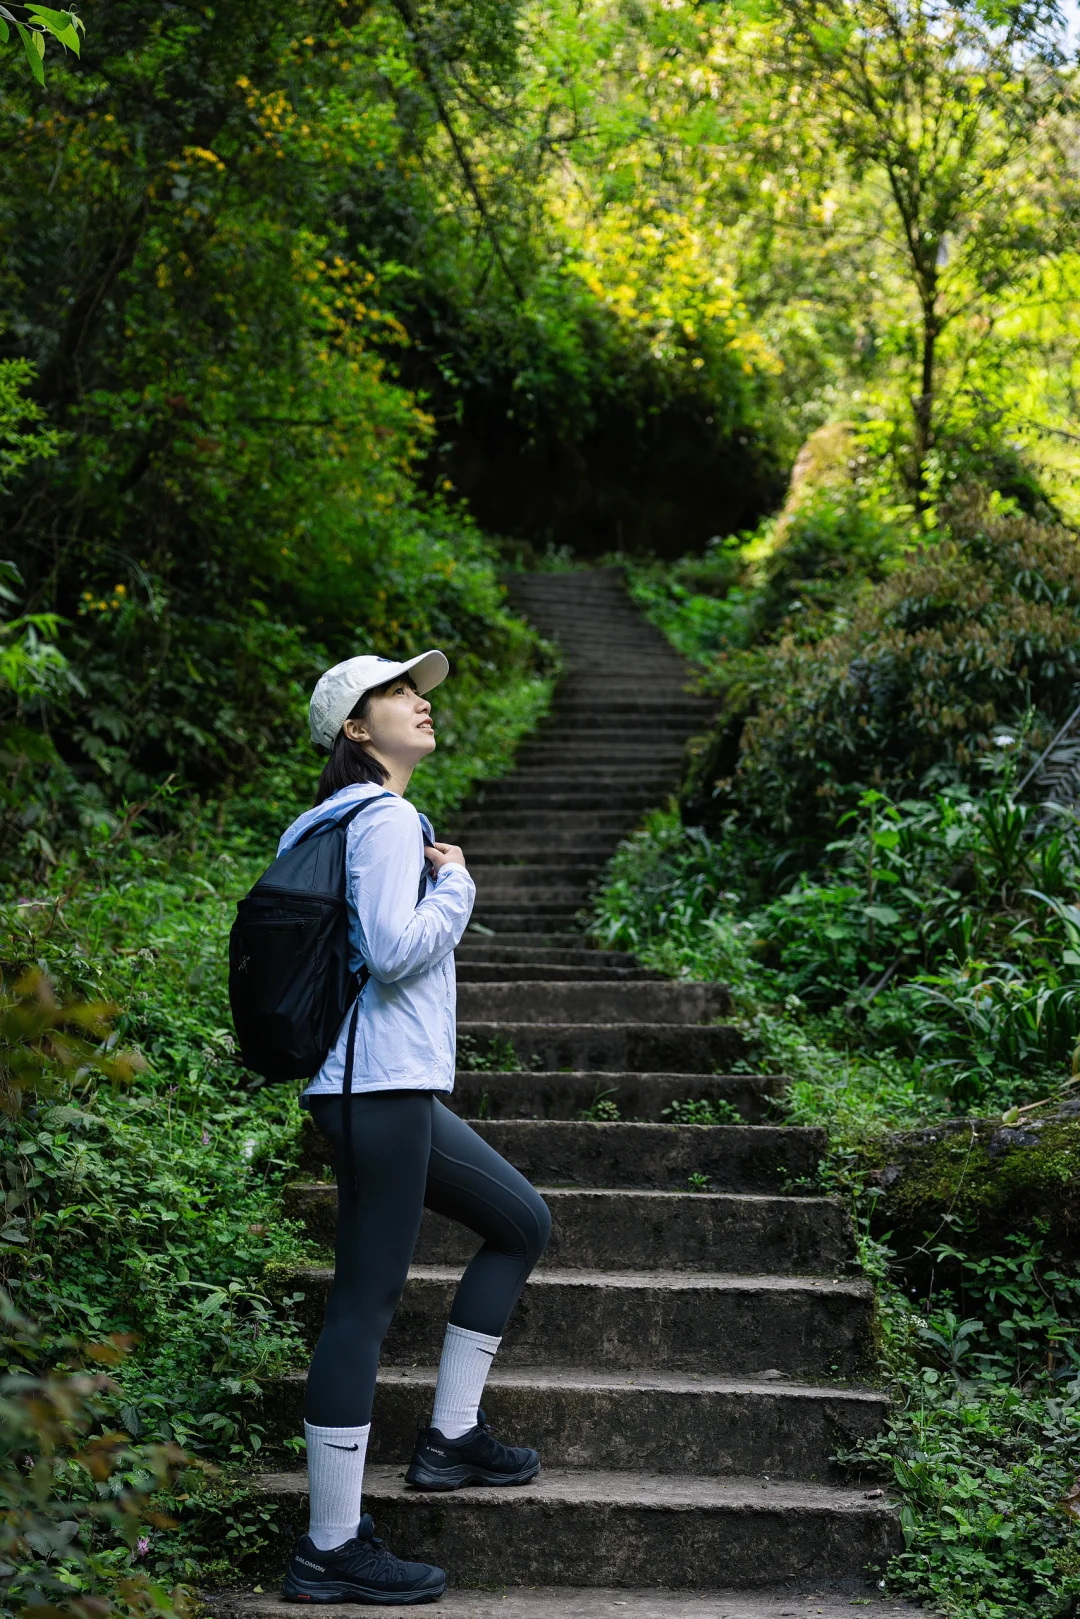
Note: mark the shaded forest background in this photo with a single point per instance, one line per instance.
(314, 321)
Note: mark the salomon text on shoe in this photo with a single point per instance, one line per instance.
(362, 1570)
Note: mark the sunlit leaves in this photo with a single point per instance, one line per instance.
(64, 26)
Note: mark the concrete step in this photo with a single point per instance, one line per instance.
(653, 1157)
(514, 794)
(644, 768)
(614, 716)
(602, 750)
(552, 940)
(574, 734)
(505, 820)
(672, 701)
(517, 918)
(639, 1097)
(571, 846)
(568, 1602)
(738, 1232)
(538, 878)
(656, 1422)
(603, 1002)
(534, 855)
(491, 894)
(495, 972)
(733, 1157)
(675, 1321)
(645, 1047)
(477, 950)
(619, 1529)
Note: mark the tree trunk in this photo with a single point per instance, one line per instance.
(923, 402)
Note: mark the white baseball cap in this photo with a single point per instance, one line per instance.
(340, 689)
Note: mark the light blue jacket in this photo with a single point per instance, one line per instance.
(406, 1034)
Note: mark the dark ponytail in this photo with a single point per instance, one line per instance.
(350, 764)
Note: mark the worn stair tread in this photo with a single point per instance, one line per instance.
(665, 1492)
(564, 1093)
(598, 1001)
(639, 1076)
(680, 1230)
(576, 1152)
(856, 1288)
(498, 972)
(576, 1602)
(646, 1380)
(653, 1421)
(693, 1085)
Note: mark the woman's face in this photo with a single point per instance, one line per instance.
(397, 728)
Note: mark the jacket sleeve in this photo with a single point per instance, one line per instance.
(399, 937)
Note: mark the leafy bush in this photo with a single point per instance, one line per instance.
(978, 635)
(77, 1518)
(938, 931)
(841, 526)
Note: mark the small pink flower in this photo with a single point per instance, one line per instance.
(142, 1546)
(205, 1137)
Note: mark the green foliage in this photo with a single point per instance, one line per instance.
(982, 1436)
(945, 112)
(974, 640)
(703, 1111)
(936, 933)
(604, 1107)
(497, 1057)
(77, 1518)
(40, 21)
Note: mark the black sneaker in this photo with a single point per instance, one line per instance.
(360, 1571)
(476, 1458)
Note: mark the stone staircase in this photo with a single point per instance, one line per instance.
(686, 1361)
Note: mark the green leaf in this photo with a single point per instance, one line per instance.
(882, 913)
(34, 46)
(5, 32)
(61, 24)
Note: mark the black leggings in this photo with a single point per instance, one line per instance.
(411, 1153)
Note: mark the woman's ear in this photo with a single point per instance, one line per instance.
(355, 732)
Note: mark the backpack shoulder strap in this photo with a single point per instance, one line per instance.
(342, 820)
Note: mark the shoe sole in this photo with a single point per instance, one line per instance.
(455, 1478)
(328, 1591)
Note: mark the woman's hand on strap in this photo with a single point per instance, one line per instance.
(442, 854)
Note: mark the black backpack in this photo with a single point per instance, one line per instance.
(289, 980)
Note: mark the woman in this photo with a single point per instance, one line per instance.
(407, 1151)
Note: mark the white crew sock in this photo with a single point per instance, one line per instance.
(335, 1460)
(466, 1361)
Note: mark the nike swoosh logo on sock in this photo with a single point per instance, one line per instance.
(329, 1446)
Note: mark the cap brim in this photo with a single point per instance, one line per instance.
(427, 670)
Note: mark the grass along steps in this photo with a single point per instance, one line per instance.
(687, 1355)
